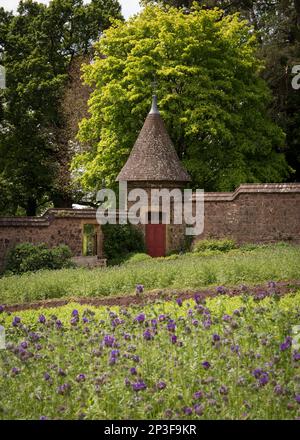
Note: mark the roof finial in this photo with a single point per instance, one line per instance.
(154, 109)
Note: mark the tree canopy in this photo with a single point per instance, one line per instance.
(38, 46)
(210, 91)
(277, 25)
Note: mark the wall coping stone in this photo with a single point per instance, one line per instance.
(48, 217)
(272, 188)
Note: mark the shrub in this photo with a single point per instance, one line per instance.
(27, 257)
(223, 245)
(137, 258)
(121, 240)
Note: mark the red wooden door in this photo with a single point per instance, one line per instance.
(156, 240)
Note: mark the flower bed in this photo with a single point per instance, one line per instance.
(223, 358)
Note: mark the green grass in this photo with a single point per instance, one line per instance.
(190, 271)
(250, 374)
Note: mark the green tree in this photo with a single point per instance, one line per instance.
(38, 46)
(277, 24)
(210, 94)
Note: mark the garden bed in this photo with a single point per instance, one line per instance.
(258, 291)
(223, 357)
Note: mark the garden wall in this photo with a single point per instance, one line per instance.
(253, 213)
(55, 227)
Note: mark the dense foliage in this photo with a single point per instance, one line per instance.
(223, 245)
(37, 48)
(210, 95)
(226, 358)
(27, 257)
(120, 241)
(277, 24)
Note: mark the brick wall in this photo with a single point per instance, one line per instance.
(54, 228)
(253, 213)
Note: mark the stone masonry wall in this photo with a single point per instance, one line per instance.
(254, 213)
(54, 228)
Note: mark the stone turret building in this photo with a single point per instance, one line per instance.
(154, 164)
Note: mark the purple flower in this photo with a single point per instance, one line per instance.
(74, 320)
(139, 288)
(264, 379)
(207, 323)
(47, 376)
(162, 317)
(133, 371)
(272, 284)
(198, 395)
(15, 371)
(24, 345)
(221, 289)
(43, 418)
(179, 301)
(154, 323)
(286, 344)
(85, 320)
(197, 298)
(75, 313)
(112, 360)
(235, 348)
(113, 357)
(278, 390)
(140, 318)
(223, 390)
(187, 410)
(64, 389)
(108, 340)
(171, 326)
(161, 385)
(260, 295)
(296, 356)
(127, 382)
(58, 324)
(148, 335)
(80, 378)
(61, 372)
(138, 386)
(127, 337)
(42, 319)
(115, 353)
(173, 339)
(226, 318)
(33, 336)
(205, 365)
(199, 409)
(257, 373)
(195, 322)
(1, 309)
(216, 338)
(297, 398)
(16, 321)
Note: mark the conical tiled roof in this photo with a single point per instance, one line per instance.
(153, 157)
